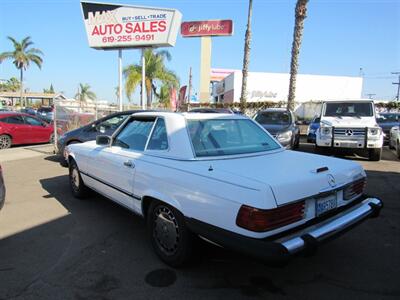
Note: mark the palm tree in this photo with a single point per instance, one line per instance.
(165, 95)
(301, 14)
(23, 56)
(156, 72)
(246, 58)
(84, 93)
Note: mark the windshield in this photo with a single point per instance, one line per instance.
(273, 118)
(215, 137)
(348, 109)
(389, 118)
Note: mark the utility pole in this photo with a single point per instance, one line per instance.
(370, 96)
(189, 88)
(398, 84)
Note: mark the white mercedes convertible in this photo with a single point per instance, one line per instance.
(223, 178)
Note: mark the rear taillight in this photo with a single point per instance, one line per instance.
(260, 220)
(354, 189)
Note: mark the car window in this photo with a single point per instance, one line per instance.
(215, 137)
(274, 118)
(135, 133)
(112, 123)
(33, 121)
(14, 120)
(159, 139)
(348, 109)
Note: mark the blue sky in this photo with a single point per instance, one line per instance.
(340, 37)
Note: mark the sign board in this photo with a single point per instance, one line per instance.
(207, 28)
(126, 26)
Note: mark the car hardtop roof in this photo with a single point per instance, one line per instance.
(13, 113)
(189, 116)
(275, 109)
(348, 100)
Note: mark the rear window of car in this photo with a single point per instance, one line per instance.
(13, 120)
(389, 118)
(217, 137)
(274, 118)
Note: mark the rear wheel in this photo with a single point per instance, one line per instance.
(170, 238)
(5, 141)
(78, 188)
(375, 154)
(51, 139)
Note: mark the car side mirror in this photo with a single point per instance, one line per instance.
(103, 140)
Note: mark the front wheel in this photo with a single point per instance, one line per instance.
(170, 238)
(375, 154)
(398, 149)
(78, 188)
(5, 141)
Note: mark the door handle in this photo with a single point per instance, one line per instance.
(129, 164)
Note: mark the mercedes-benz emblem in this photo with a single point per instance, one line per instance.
(331, 180)
(349, 132)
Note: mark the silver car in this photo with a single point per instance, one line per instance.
(2, 189)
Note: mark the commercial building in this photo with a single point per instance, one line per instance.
(273, 87)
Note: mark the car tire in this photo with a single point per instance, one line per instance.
(375, 154)
(51, 139)
(5, 141)
(171, 239)
(296, 142)
(78, 187)
(398, 149)
(321, 150)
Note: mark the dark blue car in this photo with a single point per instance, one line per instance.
(312, 129)
(386, 121)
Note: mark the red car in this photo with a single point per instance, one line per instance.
(20, 128)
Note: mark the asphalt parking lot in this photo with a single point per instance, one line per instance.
(53, 246)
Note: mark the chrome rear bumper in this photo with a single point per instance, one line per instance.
(333, 226)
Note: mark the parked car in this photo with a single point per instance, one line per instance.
(281, 123)
(46, 113)
(2, 189)
(312, 129)
(222, 177)
(19, 128)
(350, 125)
(394, 141)
(106, 125)
(29, 110)
(386, 121)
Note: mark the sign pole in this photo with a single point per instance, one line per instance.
(120, 79)
(143, 80)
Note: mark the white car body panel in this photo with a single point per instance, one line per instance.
(210, 189)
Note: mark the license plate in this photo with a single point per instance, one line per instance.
(325, 204)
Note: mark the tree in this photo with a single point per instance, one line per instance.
(300, 15)
(50, 90)
(11, 85)
(156, 72)
(246, 58)
(22, 56)
(84, 93)
(164, 95)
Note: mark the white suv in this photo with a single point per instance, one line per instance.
(350, 125)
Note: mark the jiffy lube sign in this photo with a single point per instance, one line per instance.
(207, 28)
(125, 26)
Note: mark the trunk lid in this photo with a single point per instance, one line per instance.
(291, 175)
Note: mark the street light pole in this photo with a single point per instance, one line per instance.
(143, 79)
(120, 79)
